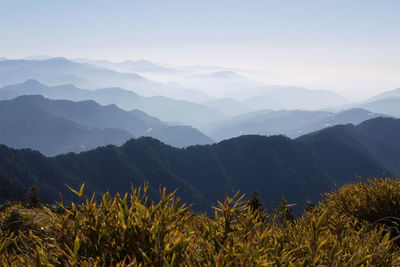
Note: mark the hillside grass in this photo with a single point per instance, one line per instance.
(131, 230)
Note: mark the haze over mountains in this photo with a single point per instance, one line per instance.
(97, 75)
(55, 71)
(388, 106)
(292, 123)
(282, 97)
(300, 169)
(28, 115)
(164, 108)
(26, 125)
(220, 118)
(199, 133)
(389, 94)
(59, 71)
(139, 66)
(100, 110)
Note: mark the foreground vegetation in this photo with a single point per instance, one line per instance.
(130, 230)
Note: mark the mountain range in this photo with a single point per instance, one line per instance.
(219, 84)
(292, 123)
(389, 94)
(388, 106)
(384, 103)
(60, 126)
(29, 126)
(56, 71)
(289, 97)
(301, 169)
(59, 71)
(164, 108)
(138, 66)
(194, 86)
(377, 138)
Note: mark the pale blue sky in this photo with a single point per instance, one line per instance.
(303, 40)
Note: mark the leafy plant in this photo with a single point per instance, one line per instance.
(131, 230)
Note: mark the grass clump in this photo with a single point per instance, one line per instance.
(131, 230)
(368, 200)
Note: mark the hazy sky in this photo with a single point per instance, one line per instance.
(350, 46)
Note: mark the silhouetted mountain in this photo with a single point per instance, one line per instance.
(57, 71)
(388, 106)
(285, 97)
(21, 169)
(25, 125)
(166, 109)
(378, 138)
(92, 115)
(143, 116)
(129, 66)
(179, 136)
(104, 168)
(299, 169)
(292, 123)
(389, 94)
(225, 74)
(88, 113)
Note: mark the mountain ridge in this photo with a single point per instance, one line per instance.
(301, 169)
(292, 123)
(89, 114)
(166, 109)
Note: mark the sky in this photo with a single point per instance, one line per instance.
(348, 46)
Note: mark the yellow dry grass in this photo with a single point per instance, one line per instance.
(130, 230)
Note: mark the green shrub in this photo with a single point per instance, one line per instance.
(130, 230)
(367, 200)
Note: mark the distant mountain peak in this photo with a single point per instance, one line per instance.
(395, 93)
(224, 74)
(61, 59)
(30, 97)
(144, 61)
(380, 122)
(355, 110)
(33, 82)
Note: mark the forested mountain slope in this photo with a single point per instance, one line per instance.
(299, 169)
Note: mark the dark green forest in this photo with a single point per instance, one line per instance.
(275, 166)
